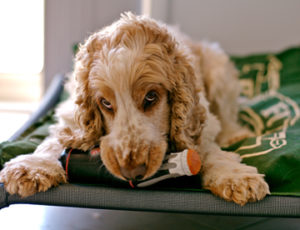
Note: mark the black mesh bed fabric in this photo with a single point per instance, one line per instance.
(154, 200)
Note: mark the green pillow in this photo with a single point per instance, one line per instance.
(271, 99)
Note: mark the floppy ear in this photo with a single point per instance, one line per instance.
(187, 114)
(88, 122)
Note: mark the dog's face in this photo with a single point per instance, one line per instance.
(135, 94)
(133, 100)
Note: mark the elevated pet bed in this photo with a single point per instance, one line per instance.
(269, 105)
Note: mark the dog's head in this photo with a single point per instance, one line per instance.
(135, 95)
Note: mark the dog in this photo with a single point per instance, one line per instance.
(141, 89)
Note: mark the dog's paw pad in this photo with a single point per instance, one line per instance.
(25, 176)
(242, 188)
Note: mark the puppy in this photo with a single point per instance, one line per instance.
(141, 89)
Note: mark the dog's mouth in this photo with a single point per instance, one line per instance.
(135, 174)
(133, 169)
(143, 176)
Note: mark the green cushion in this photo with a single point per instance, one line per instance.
(271, 93)
(28, 141)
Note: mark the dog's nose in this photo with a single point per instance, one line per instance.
(136, 173)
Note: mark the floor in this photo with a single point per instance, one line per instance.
(55, 218)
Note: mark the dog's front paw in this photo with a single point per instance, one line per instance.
(240, 186)
(28, 174)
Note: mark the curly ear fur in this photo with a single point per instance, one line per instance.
(87, 113)
(88, 121)
(187, 114)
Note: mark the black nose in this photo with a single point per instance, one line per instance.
(136, 173)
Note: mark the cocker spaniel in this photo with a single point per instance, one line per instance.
(142, 89)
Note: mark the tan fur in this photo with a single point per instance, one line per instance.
(195, 87)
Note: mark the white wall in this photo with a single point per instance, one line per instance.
(240, 26)
(71, 21)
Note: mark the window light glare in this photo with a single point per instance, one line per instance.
(21, 36)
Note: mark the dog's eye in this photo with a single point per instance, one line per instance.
(150, 99)
(151, 96)
(107, 105)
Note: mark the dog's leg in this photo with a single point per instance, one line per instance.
(224, 104)
(222, 90)
(226, 177)
(222, 172)
(28, 174)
